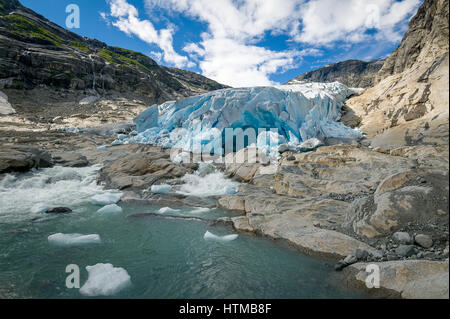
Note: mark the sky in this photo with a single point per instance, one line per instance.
(242, 42)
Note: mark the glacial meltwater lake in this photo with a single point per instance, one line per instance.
(164, 257)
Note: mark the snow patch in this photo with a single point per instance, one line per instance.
(5, 107)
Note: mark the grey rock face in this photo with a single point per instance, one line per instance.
(35, 52)
(353, 73)
(430, 22)
(22, 158)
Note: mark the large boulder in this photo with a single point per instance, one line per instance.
(14, 158)
(142, 169)
(399, 202)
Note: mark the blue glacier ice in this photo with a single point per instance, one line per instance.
(283, 114)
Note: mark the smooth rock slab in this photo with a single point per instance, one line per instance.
(418, 279)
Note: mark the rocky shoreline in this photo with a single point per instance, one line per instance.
(311, 200)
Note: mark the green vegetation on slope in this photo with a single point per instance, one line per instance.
(80, 46)
(22, 26)
(126, 57)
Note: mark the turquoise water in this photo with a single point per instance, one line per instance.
(165, 258)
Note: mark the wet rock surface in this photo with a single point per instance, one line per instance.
(16, 158)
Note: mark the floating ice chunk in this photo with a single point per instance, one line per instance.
(161, 189)
(40, 208)
(214, 184)
(73, 239)
(105, 280)
(168, 210)
(106, 199)
(211, 236)
(101, 148)
(110, 209)
(309, 145)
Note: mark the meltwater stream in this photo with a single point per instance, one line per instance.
(163, 257)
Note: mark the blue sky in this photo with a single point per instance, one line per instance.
(242, 42)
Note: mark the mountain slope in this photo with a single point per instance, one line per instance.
(353, 73)
(35, 52)
(410, 103)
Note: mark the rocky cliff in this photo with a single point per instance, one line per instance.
(36, 53)
(353, 73)
(410, 103)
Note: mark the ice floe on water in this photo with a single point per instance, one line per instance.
(105, 280)
(110, 209)
(211, 236)
(106, 199)
(25, 194)
(296, 113)
(73, 239)
(161, 189)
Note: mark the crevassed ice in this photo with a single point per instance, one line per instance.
(297, 112)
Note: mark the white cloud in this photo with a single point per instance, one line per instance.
(126, 18)
(327, 21)
(230, 49)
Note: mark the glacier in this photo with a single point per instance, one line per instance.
(285, 114)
